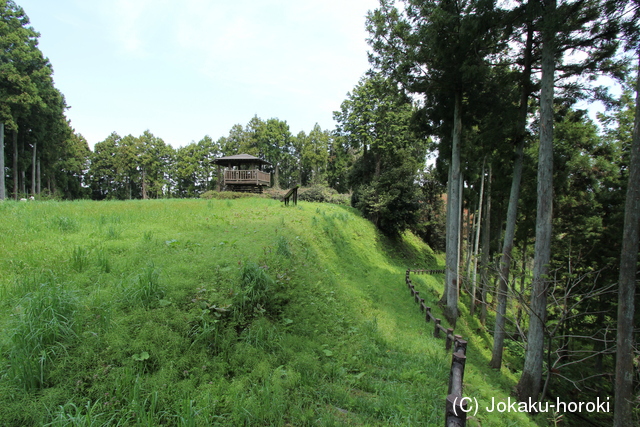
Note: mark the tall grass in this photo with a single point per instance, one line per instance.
(146, 288)
(79, 259)
(103, 261)
(41, 331)
(254, 296)
(66, 224)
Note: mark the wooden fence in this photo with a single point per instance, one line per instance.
(291, 194)
(456, 415)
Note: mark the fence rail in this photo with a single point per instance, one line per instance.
(250, 176)
(455, 415)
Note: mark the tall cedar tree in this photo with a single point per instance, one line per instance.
(571, 26)
(439, 49)
(623, 411)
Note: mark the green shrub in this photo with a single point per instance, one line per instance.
(322, 194)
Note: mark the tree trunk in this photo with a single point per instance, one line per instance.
(528, 387)
(443, 300)
(39, 179)
(144, 185)
(453, 216)
(460, 234)
(16, 174)
(469, 232)
(472, 309)
(512, 210)
(276, 177)
(486, 252)
(626, 288)
(2, 180)
(33, 168)
(523, 275)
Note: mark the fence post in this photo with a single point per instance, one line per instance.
(436, 331)
(457, 373)
(456, 415)
(450, 339)
(460, 345)
(427, 317)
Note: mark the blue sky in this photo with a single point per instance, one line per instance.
(188, 68)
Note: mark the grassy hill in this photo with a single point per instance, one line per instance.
(221, 312)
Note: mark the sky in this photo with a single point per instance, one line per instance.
(183, 69)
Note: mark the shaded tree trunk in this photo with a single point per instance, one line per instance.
(486, 252)
(144, 185)
(523, 275)
(276, 177)
(443, 300)
(38, 179)
(453, 217)
(512, 210)
(627, 281)
(33, 168)
(16, 173)
(528, 387)
(476, 248)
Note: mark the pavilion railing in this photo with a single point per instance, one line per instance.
(251, 176)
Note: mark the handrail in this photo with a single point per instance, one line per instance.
(292, 193)
(455, 415)
(250, 176)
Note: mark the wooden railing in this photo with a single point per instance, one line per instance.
(291, 194)
(251, 176)
(455, 405)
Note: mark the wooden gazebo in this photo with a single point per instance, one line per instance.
(243, 172)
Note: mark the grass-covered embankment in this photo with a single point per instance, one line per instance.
(218, 312)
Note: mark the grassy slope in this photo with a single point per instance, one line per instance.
(338, 342)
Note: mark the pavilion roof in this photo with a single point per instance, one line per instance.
(240, 159)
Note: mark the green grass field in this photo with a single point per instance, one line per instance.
(221, 312)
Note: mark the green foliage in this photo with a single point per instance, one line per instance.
(375, 121)
(322, 194)
(431, 225)
(129, 167)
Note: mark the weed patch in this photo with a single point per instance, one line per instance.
(43, 326)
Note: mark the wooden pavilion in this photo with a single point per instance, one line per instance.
(243, 173)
